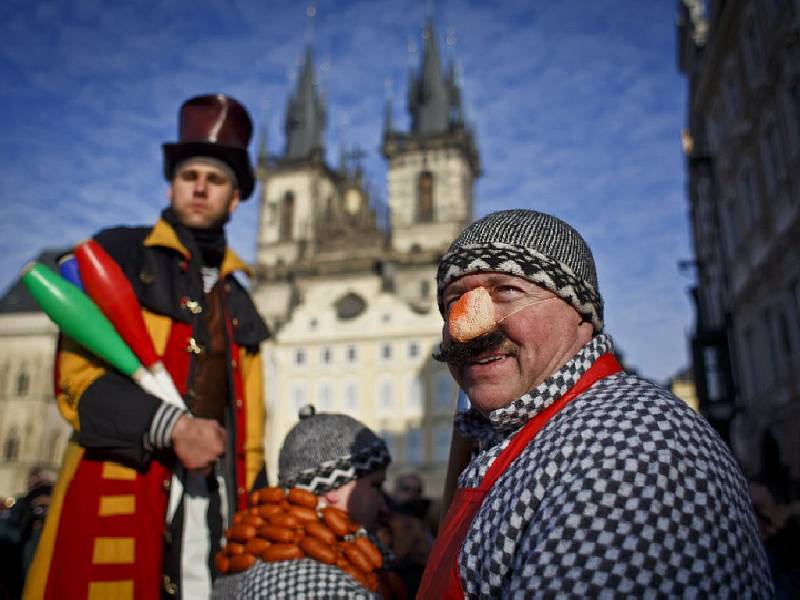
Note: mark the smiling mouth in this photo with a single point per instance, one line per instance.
(485, 360)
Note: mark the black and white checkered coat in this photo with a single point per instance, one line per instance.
(625, 493)
(303, 579)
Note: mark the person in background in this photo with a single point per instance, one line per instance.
(343, 463)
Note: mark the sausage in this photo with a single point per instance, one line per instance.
(237, 518)
(357, 558)
(302, 497)
(253, 521)
(253, 499)
(321, 532)
(282, 552)
(284, 520)
(359, 576)
(256, 546)
(318, 550)
(336, 519)
(369, 549)
(241, 562)
(274, 533)
(303, 514)
(221, 562)
(241, 532)
(270, 495)
(267, 510)
(232, 548)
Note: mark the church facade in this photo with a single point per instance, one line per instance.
(352, 302)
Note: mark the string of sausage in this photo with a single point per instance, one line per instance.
(287, 525)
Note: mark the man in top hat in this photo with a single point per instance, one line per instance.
(343, 462)
(589, 482)
(146, 489)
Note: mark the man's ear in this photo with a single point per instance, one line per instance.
(234, 202)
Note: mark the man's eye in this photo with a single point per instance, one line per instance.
(217, 179)
(188, 175)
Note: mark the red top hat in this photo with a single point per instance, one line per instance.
(216, 126)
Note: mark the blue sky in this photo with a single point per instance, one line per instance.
(577, 106)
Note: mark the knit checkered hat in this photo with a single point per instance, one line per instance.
(532, 245)
(324, 451)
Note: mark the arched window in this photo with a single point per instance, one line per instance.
(425, 197)
(11, 445)
(287, 217)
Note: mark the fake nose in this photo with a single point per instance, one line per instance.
(472, 315)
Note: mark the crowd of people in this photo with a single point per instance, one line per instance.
(577, 479)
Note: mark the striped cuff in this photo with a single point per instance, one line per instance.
(160, 433)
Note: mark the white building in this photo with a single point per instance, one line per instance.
(353, 306)
(32, 432)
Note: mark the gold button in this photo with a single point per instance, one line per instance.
(193, 347)
(234, 363)
(169, 587)
(235, 322)
(241, 490)
(167, 483)
(238, 403)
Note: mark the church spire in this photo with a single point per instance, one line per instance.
(430, 95)
(305, 114)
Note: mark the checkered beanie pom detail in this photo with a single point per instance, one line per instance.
(532, 245)
(325, 451)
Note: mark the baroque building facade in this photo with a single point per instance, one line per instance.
(352, 301)
(32, 433)
(741, 59)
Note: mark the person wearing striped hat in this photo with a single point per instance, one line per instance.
(584, 480)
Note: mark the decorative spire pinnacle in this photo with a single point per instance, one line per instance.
(305, 114)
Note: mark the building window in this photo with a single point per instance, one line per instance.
(414, 393)
(351, 396)
(413, 446)
(11, 446)
(425, 197)
(300, 357)
(425, 288)
(385, 394)
(325, 396)
(413, 350)
(286, 229)
(443, 393)
(326, 356)
(23, 382)
(352, 354)
(299, 396)
(441, 442)
(386, 351)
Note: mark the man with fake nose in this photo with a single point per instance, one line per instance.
(586, 481)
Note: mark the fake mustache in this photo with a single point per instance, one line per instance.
(459, 353)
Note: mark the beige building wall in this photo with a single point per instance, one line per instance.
(32, 432)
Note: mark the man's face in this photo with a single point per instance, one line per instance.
(202, 195)
(542, 332)
(362, 499)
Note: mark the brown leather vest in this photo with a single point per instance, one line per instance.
(210, 384)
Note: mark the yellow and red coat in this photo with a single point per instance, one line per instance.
(104, 535)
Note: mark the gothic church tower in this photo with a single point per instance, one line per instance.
(432, 168)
